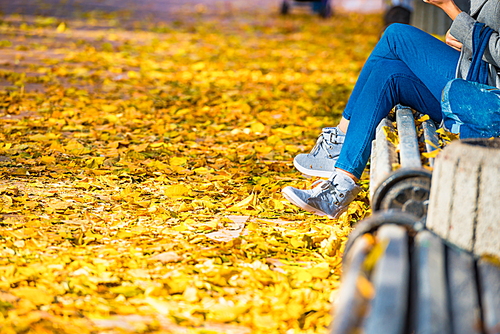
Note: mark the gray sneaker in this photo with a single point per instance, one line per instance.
(322, 158)
(328, 198)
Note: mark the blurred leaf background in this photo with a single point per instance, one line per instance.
(141, 164)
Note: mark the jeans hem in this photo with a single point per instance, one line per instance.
(348, 169)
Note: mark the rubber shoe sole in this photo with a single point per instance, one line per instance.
(312, 172)
(289, 195)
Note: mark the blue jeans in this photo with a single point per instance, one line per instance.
(471, 109)
(407, 66)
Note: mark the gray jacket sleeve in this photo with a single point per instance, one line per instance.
(462, 28)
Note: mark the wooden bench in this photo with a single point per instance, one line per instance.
(400, 278)
(403, 269)
(463, 204)
(407, 187)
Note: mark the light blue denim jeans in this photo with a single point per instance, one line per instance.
(407, 66)
(471, 109)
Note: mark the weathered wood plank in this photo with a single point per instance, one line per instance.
(409, 154)
(464, 203)
(373, 167)
(388, 311)
(463, 294)
(429, 295)
(351, 305)
(488, 202)
(430, 138)
(489, 282)
(385, 155)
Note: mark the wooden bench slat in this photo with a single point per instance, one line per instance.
(390, 277)
(373, 167)
(489, 282)
(464, 202)
(463, 294)
(430, 138)
(350, 305)
(384, 157)
(408, 143)
(429, 295)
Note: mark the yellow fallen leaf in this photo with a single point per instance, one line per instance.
(190, 294)
(391, 136)
(321, 270)
(166, 257)
(181, 227)
(95, 162)
(111, 118)
(109, 108)
(373, 256)
(37, 296)
(431, 154)
(365, 287)
(73, 144)
(249, 200)
(177, 161)
(7, 201)
(201, 171)
(177, 284)
(160, 306)
(427, 141)
(140, 148)
(133, 75)
(226, 313)
(274, 140)
(441, 131)
(59, 205)
(303, 275)
(61, 27)
(296, 242)
(263, 149)
(127, 291)
(277, 205)
(423, 118)
(198, 66)
(47, 160)
(257, 127)
(176, 190)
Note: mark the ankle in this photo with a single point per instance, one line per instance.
(343, 125)
(354, 178)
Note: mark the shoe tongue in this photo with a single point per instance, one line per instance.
(334, 129)
(329, 129)
(341, 179)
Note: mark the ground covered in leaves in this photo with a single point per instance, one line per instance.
(141, 169)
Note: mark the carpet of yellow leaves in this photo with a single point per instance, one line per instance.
(141, 169)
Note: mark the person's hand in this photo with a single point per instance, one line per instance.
(448, 6)
(453, 42)
(439, 3)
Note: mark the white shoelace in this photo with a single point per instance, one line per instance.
(321, 185)
(322, 143)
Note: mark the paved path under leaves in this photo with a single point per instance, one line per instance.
(155, 9)
(161, 10)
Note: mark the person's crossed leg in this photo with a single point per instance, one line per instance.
(407, 66)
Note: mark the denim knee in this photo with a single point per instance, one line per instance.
(396, 29)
